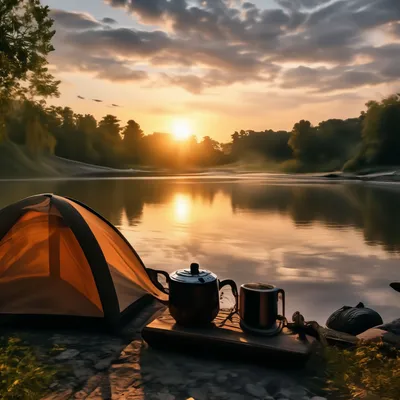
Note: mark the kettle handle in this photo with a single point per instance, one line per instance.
(282, 292)
(154, 277)
(232, 284)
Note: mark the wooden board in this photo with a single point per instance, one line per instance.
(224, 338)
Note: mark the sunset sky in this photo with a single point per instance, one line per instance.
(225, 65)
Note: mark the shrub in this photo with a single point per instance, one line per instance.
(22, 376)
(368, 370)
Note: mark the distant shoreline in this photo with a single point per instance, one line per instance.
(16, 165)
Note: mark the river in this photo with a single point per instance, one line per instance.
(326, 245)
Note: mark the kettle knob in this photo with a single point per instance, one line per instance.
(194, 269)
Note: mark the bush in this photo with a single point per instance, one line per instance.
(368, 370)
(22, 376)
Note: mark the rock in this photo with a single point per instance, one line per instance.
(293, 393)
(82, 373)
(170, 379)
(104, 363)
(67, 355)
(235, 396)
(221, 379)
(66, 394)
(318, 398)
(273, 386)
(198, 393)
(255, 390)
(202, 375)
(164, 396)
(80, 395)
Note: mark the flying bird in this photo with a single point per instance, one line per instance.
(80, 97)
(97, 100)
(115, 105)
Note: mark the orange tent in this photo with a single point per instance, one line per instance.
(60, 260)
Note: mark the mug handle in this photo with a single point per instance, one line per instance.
(232, 284)
(282, 292)
(154, 277)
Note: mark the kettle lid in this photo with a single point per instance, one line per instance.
(193, 275)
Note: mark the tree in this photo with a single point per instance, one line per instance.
(381, 131)
(380, 134)
(25, 42)
(108, 141)
(303, 141)
(209, 151)
(132, 136)
(86, 126)
(38, 140)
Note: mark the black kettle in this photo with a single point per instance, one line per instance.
(194, 295)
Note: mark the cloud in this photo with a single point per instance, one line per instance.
(74, 20)
(202, 44)
(213, 78)
(296, 4)
(110, 21)
(330, 79)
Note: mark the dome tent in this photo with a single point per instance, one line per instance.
(60, 261)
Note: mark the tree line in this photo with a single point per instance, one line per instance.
(58, 130)
(371, 139)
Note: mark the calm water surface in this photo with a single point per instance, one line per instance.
(327, 245)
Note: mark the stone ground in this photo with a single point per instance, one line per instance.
(125, 368)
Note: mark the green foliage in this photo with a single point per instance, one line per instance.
(269, 144)
(25, 42)
(303, 141)
(132, 137)
(370, 369)
(22, 375)
(332, 145)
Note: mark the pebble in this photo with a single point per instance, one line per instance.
(255, 390)
(125, 368)
(104, 363)
(67, 355)
(293, 393)
(273, 386)
(164, 396)
(198, 393)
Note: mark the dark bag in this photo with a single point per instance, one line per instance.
(353, 320)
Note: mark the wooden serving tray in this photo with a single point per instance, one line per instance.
(224, 338)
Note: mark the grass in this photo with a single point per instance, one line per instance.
(15, 163)
(370, 371)
(22, 375)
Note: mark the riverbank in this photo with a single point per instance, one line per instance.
(16, 163)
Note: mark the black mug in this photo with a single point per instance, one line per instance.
(258, 307)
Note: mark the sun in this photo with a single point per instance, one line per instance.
(181, 129)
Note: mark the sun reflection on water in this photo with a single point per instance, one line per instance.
(182, 208)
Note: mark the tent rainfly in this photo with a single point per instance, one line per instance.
(60, 261)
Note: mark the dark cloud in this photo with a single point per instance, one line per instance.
(296, 4)
(127, 43)
(107, 68)
(202, 44)
(109, 21)
(73, 21)
(196, 84)
(330, 79)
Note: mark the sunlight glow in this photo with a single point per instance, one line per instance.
(182, 208)
(181, 129)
